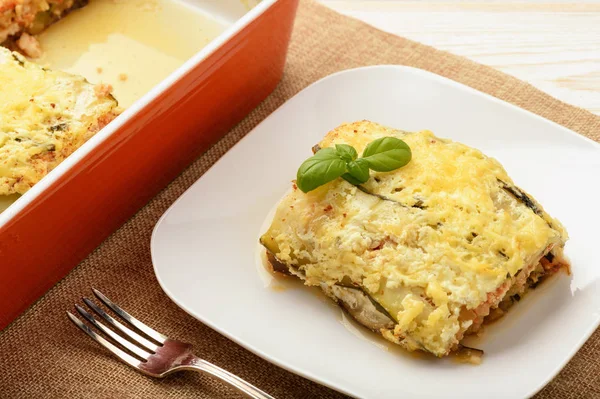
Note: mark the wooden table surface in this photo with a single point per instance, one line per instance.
(554, 46)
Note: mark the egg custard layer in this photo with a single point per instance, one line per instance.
(45, 116)
(423, 254)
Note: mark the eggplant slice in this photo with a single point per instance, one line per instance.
(360, 306)
(356, 302)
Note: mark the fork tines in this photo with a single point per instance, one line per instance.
(132, 341)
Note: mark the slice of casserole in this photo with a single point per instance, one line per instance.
(19, 19)
(44, 116)
(423, 254)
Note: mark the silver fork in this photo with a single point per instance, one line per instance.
(158, 359)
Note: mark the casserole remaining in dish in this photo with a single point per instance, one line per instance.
(423, 254)
(19, 19)
(45, 115)
(48, 114)
(102, 184)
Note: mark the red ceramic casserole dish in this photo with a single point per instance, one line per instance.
(56, 224)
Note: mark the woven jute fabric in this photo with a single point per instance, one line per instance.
(42, 355)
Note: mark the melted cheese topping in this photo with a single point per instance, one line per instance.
(426, 241)
(44, 116)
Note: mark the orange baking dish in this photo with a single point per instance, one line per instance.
(56, 224)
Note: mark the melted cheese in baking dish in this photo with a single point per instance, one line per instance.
(44, 116)
(426, 241)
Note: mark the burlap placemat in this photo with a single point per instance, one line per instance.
(43, 356)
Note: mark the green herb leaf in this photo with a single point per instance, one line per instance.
(346, 152)
(358, 172)
(348, 177)
(387, 154)
(382, 155)
(323, 167)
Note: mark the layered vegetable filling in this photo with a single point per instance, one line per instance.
(371, 314)
(21, 20)
(513, 290)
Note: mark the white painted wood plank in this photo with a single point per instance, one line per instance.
(554, 46)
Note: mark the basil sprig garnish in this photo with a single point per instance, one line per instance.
(387, 154)
(381, 155)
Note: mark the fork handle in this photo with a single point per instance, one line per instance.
(197, 364)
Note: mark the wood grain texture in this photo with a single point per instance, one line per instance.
(554, 46)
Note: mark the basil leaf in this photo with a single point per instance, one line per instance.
(321, 168)
(387, 154)
(348, 177)
(346, 152)
(358, 172)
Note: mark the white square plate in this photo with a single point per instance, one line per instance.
(205, 248)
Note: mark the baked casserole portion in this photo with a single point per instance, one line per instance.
(423, 254)
(32, 16)
(44, 116)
